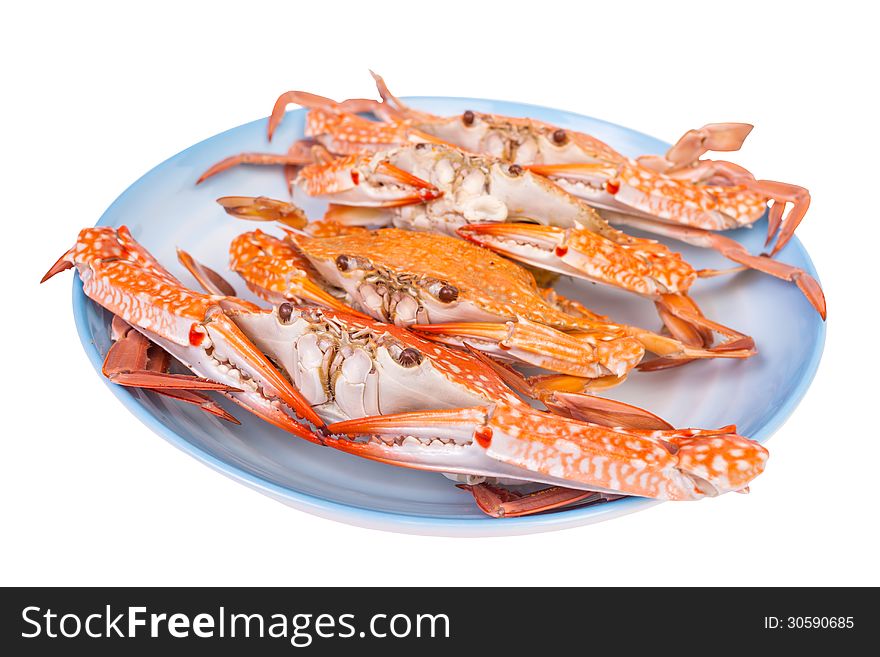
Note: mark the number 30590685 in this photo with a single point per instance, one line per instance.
(809, 622)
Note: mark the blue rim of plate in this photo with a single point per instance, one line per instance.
(412, 523)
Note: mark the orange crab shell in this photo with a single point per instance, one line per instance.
(344, 133)
(495, 284)
(656, 464)
(492, 284)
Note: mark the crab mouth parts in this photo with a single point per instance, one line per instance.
(399, 297)
(336, 335)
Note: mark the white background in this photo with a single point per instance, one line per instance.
(94, 95)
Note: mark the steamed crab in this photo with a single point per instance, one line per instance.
(432, 187)
(678, 195)
(451, 290)
(392, 396)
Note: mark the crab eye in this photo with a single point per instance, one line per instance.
(468, 118)
(409, 357)
(350, 263)
(285, 310)
(514, 170)
(560, 136)
(447, 293)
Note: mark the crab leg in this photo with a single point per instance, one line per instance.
(210, 280)
(128, 363)
(314, 101)
(263, 208)
(295, 158)
(574, 403)
(606, 412)
(132, 354)
(782, 193)
(335, 126)
(543, 346)
(392, 108)
(687, 151)
(695, 331)
(694, 335)
(731, 185)
(358, 216)
(503, 503)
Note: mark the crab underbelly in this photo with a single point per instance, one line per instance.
(352, 381)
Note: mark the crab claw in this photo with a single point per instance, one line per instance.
(733, 250)
(425, 191)
(808, 285)
(276, 271)
(357, 181)
(124, 278)
(685, 464)
(632, 190)
(644, 268)
(224, 354)
(314, 102)
(262, 159)
(577, 251)
(63, 263)
(438, 441)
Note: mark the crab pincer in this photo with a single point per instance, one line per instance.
(120, 275)
(505, 437)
